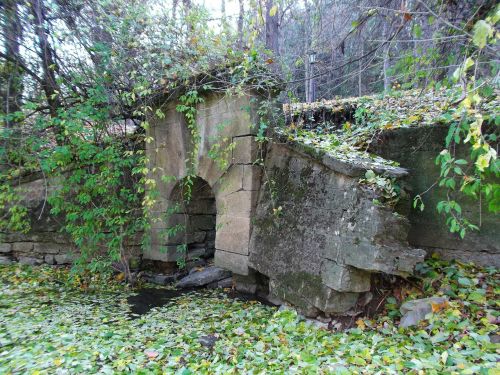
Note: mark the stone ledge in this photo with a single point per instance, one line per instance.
(396, 260)
(355, 168)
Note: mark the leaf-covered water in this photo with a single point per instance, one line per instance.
(47, 327)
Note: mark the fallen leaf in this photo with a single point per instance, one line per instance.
(151, 354)
(361, 324)
(436, 307)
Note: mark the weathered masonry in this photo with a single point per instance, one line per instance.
(298, 221)
(223, 162)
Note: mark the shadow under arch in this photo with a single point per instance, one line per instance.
(193, 215)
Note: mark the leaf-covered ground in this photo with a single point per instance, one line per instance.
(47, 327)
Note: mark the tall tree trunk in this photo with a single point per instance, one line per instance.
(387, 48)
(47, 56)
(12, 81)
(272, 29)
(187, 5)
(174, 9)
(307, 47)
(223, 14)
(240, 23)
(360, 72)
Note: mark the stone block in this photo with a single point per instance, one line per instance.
(5, 247)
(245, 150)
(206, 276)
(195, 253)
(210, 170)
(194, 237)
(30, 261)
(50, 248)
(245, 284)
(236, 263)
(225, 283)
(64, 258)
(310, 295)
(241, 203)
(252, 175)
(396, 260)
(226, 116)
(416, 310)
(230, 182)
(162, 220)
(49, 259)
(172, 234)
(233, 234)
(163, 253)
(22, 247)
(280, 293)
(34, 236)
(5, 261)
(344, 278)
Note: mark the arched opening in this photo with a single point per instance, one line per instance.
(193, 204)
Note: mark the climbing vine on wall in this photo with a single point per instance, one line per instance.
(473, 125)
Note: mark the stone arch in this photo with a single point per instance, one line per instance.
(227, 120)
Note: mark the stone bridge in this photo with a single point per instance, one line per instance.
(287, 220)
(271, 212)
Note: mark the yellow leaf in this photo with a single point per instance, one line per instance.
(483, 162)
(436, 307)
(273, 11)
(58, 362)
(361, 324)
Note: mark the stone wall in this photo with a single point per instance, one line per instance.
(318, 235)
(416, 148)
(304, 223)
(44, 243)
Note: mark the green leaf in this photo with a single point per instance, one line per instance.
(417, 30)
(273, 11)
(482, 30)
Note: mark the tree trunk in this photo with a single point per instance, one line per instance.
(47, 56)
(174, 9)
(240, 24)
(272, 29)
(223, 14)
(387, 48)
(187, 5)
(12, 81)
(360, 72)
(307, 47)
